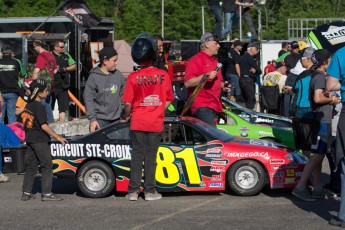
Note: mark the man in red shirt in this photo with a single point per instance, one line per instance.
(148, 92)
(207, 103)
(45, 62)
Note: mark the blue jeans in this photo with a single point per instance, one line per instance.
(144, 148)
(10, 101)
(250, 24)
(207, 115)
(341, 214)
(235, 85)
(229, 23)
(217, 29)
(48, 106)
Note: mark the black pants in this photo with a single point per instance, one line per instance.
(40, 152)
(144, 148)
(247, 85)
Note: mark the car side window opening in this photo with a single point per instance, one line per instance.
(119, 134)
(182, 135)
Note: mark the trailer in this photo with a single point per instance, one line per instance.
(83, 46)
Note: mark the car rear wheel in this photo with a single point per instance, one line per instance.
(246, 178)
(96, 179)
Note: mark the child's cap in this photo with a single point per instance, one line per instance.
(37, 86)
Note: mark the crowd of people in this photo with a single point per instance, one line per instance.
(109, 97)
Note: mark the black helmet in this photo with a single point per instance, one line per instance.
(144, 50)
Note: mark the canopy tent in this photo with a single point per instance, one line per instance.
(125, 62)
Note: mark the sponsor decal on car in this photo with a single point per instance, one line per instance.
(298, 174)
(277, 161)
(290, 172)
(223, 162)
(90, 150)
(244, 129)
(278, 174)
(265, 134)
(259, 119)
(211, 155)
(216, 185)
(292, 165)
(217, 169)
(217, 178)
(214, 150)
(290, 180)
(248, 154)
(278, 185)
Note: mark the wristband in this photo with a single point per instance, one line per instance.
(56, 136)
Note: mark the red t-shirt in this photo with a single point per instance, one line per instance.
(269, 68)
(147, 90)
(209, 96)
(46, 59)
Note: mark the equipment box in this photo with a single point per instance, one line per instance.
(13, 159)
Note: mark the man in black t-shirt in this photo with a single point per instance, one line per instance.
(65, 64)
(233, 71)
(292, 59)
(38, 132)
(249, 71)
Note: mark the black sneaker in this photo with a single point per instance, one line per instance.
(335, 221)
(28, 196)
(50, 197)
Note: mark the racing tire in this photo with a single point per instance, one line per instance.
(246, 178)
(95, 179)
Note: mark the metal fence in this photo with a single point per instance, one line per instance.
(300, 27)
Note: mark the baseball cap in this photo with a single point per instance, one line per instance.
(253, 45)
(302, 45)
(6, 49)
(308, 52)
(294, 45)
(238, 43)
(206, 37)
(106, 53)
(320, 56)
(37, 86)
(280, 64)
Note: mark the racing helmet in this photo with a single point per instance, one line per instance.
(144, 50)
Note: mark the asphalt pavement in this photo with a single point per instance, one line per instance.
(271, 209)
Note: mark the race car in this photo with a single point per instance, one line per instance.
(193, 156)
(255, 117)
(238, 126)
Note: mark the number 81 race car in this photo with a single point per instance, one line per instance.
(193, 156)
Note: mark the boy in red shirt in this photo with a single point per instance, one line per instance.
(148, 92)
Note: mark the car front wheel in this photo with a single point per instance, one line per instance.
(96, 179)
(246, 178)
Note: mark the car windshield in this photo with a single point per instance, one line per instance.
(212, 131)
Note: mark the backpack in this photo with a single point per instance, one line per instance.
(301, 105)
(269, 98)
(44, 74)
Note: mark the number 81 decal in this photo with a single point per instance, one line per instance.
(168, 173)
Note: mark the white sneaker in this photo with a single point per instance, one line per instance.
(4, 178)
(153, 196)
(132, 196)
